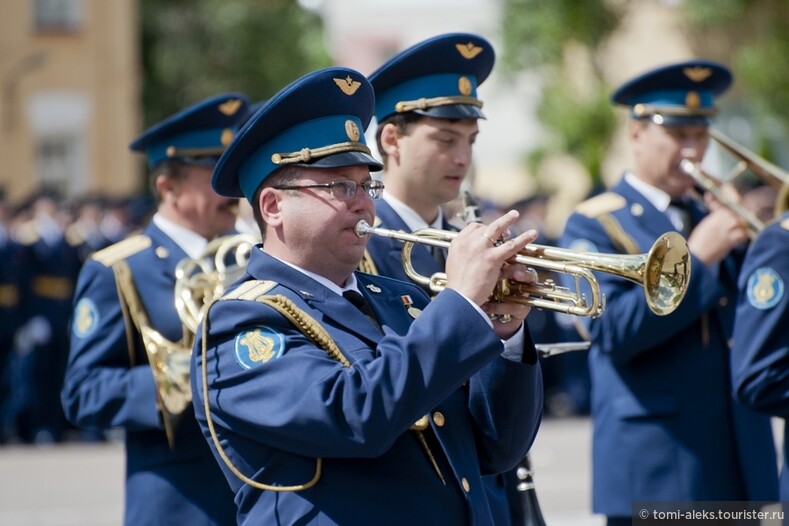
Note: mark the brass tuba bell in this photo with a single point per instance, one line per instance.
(197, 283)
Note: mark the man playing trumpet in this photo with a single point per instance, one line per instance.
(331, 396)
(665, 425)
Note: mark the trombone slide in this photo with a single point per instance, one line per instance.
(713, 186)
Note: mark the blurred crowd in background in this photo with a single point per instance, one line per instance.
(44, 241)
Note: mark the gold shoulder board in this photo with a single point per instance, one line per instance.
(250, 290)
(121, 250)
(601, 204)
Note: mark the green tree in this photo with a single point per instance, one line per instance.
(192, 49)
(549, 37)
(750, 36)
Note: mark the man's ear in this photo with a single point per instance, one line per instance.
(165, 187)
(269, 205)
(635, 128)
(389, 140)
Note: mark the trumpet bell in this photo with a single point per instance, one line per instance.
(666, 273)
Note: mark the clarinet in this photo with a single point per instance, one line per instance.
(470, 212)
(530, 507)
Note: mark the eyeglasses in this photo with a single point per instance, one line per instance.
(343, 189)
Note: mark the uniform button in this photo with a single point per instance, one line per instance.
(466, 485)
(438, 418)
(162, 252)
(723, 301)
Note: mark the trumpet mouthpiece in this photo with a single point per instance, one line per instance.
(687, 166)
(362, 228)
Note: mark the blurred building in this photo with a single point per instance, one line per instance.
(69, 96)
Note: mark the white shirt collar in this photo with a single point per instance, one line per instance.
(656, 196)
(190, 242)
(409, 216)
(351, 284)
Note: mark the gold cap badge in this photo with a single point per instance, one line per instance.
(464, 86)
(692, 100)
(230, 107)
(348, 85)
(468, 51)
(352, 130)
(226, 137)
(697, 73)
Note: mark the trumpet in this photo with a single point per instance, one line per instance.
(664, 272)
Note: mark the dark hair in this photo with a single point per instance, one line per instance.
(402, 122)
(170, 168)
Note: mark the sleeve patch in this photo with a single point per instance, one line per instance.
(86, 318)
(257, 346)
(765, 288)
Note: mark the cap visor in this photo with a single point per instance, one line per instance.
(345, 159)
(453, 111)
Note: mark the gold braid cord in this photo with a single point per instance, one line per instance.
(312, 330)
(127, 295)
(319, 336)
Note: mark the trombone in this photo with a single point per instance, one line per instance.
(664, 272)
(766, 171)
(712, 185)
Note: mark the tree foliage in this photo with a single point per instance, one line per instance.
(537, 35)
(748, 35)
(192, 49)
(756, 46)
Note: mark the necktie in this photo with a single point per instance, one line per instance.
(360, 303)
(438, 256)
(681, 212)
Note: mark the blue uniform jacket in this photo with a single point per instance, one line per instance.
(275, 417)
(760, 355)
(387, 253)
(665, 426)
(108, 385)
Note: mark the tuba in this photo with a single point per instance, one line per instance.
(664, 272)
(197, 283)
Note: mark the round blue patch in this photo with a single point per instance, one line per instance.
(86, 318)
(765, 288)
(257, 346)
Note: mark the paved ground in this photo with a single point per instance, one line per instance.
(82, 485)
